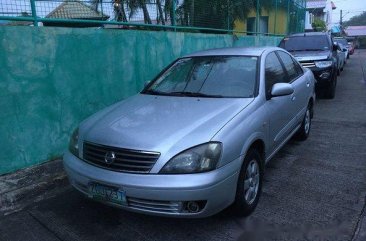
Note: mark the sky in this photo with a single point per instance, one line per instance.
(350, 8)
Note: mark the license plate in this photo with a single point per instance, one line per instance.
(107, 194)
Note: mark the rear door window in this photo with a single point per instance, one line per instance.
(274, 72)
(289, 66)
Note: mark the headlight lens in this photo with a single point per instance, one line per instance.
(73, 144)
(198, 159)
(323, 64)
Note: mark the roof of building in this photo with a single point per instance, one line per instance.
(310, 4)
(356, 31)
(76, 10)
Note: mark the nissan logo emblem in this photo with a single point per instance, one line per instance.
(110, 157)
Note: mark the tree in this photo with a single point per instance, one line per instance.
(119, 10)
(160, 17)
(169, 11)
(319, 25)
(134, 5)
(359, 20)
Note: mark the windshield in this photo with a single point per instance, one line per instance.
(208, 76)
(305, 43)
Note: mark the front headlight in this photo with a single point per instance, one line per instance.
(323, 64)
(198, 159)
(73, 144)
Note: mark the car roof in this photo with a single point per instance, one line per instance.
(252, 51)
(308, 34)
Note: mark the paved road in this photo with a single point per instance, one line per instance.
(313, 190)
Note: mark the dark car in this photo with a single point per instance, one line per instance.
(344, 42)
(317, 52)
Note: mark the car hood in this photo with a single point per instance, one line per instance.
(310, 55)
(159, 123)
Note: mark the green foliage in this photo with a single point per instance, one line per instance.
(359, 20)
(319, 25)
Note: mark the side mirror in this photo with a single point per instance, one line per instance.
(282, 89)
(344, 50)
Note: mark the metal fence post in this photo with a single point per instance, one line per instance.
(258, 19)
(288, 17)
(101, 7)
(275, 18)
(173, 14)
(34, 13)
(228, 15)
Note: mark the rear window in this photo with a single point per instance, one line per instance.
(342, 41)
(305, 43)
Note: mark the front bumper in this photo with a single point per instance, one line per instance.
(155, 193)
(323, 76)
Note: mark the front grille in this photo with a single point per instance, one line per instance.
(154, 205)
(307, 64)
(132, 161)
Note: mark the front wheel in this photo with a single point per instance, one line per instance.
(249, 185)
(330, 91)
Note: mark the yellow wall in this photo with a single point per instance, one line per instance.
(279, 18)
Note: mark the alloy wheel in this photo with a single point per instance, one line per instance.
(251, 182)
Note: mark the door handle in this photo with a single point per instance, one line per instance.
(307, 84)
(293, 98)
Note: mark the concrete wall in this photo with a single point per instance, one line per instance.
(52, 78)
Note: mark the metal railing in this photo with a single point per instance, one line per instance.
(265, 17)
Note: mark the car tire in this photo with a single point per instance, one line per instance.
(338, 72)
(330, 91)
(249, 186)
(304, 131)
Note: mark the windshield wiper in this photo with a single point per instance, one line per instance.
(194, 94)
(154, 92)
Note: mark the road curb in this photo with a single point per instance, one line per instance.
(22, 188)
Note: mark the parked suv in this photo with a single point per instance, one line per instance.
(317, 52)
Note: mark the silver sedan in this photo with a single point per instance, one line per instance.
(197, 138)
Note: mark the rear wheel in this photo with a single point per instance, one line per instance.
(304, 131)
(249, 185)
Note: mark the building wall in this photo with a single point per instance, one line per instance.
(53, 78)
(322, 13)
(277, 21)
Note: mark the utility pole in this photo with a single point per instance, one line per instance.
(340, 19)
